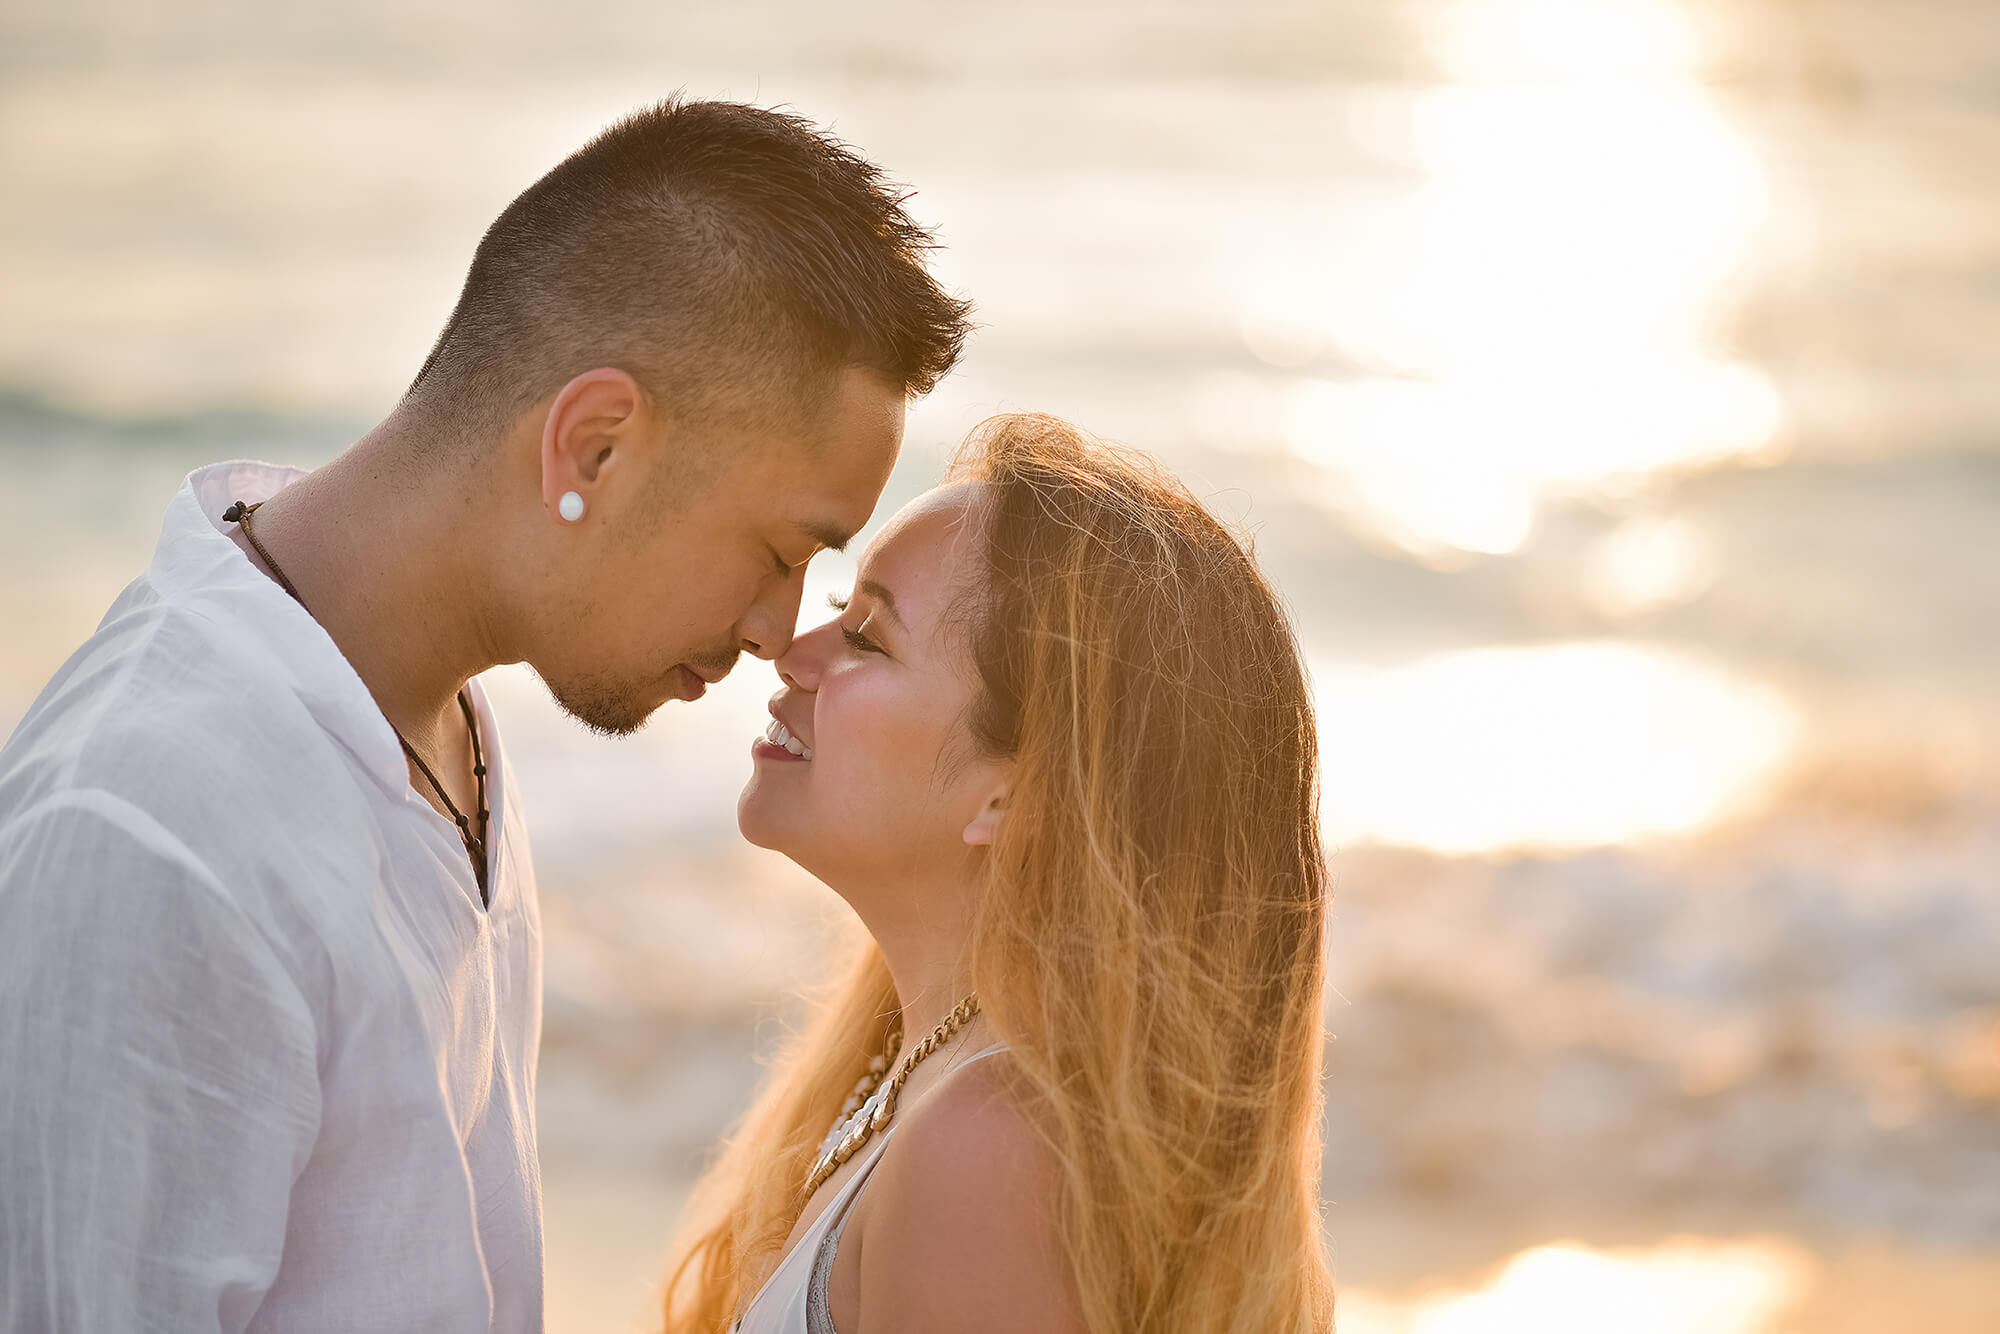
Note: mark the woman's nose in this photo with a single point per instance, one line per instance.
(802, 661)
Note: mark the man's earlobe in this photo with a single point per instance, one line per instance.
(586, 421)
(985, 826)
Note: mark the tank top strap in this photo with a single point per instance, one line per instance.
(795, 1294)
(850, 1194)
(819, 1314)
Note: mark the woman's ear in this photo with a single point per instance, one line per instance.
(986, 825)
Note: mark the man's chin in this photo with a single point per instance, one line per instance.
(605, 712)
(611, 710)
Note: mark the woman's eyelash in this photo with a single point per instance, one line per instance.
(857, 641)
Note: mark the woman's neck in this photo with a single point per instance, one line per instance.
(926, 964)
(925, 1009)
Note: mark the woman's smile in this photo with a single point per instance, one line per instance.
(778, 743)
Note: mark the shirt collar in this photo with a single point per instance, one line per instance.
(197, 564)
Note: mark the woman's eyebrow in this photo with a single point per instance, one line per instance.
(882, 595)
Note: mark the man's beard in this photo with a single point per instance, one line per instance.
(616, 709)
(604, 708)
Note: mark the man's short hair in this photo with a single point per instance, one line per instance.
(733, 259)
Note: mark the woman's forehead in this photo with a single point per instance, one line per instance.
(921, 554)
(936, 517)
(956, 500)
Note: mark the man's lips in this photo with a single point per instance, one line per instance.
(693, 682)
(711, 674)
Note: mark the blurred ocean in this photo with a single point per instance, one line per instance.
(1609, 385)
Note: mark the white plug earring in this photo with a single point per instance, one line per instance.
(570, 506)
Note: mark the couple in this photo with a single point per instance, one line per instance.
(269, 952)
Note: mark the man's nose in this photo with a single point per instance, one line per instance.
(767, 627)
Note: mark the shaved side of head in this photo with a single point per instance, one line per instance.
(733, 260)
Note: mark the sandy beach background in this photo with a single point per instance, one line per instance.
(1609, 385)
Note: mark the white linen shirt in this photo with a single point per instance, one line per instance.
(265, 1062)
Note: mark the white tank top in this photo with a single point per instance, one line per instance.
(793, 1299)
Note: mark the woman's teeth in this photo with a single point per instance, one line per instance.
(777, 735)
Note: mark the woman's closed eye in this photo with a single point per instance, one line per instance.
(857, 641)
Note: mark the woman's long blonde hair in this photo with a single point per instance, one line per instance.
(1148, 936)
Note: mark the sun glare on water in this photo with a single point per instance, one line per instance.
(1682, 1287)
(1539, 314)
(1562, 746)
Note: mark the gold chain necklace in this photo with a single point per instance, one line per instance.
(874, 1099)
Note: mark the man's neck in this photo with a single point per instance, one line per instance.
(386, 566)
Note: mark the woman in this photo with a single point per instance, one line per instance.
(1057, 753)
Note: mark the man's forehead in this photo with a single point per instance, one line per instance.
(836, 481)
(827, 501)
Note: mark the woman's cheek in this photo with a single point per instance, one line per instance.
(878, 741)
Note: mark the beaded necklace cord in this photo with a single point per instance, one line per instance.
(239, 514)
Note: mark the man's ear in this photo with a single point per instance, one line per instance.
(985, 826)
(593, 421)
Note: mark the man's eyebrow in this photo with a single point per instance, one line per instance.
(883, 596)
(826, 534)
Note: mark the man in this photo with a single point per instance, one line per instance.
(269, 949)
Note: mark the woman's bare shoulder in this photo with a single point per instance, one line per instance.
(962, 1233)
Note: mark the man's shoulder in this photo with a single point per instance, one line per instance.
(166, 783)
(159, 675)
(165, 711)
(145, 626)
